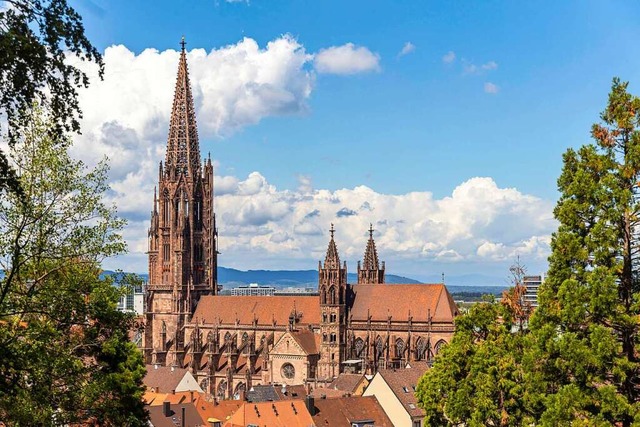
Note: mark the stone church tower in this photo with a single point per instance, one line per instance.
(370, 273)
(182, 236)
(332, 286)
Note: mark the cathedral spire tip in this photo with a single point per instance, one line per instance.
(183, 43)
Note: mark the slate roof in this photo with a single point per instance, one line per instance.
(266, 309)
(346, 410)
(398, 301)
(164, 379)
(403, 383)
(262, 393)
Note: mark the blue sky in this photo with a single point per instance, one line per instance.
(495, 90)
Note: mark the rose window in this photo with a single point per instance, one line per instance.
(288, 371)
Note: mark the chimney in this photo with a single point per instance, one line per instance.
(310, 403)
(166, 409)
(184, 410)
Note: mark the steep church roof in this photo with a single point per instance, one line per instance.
(265, 309)
(332, 260)
(400, 301)
(183, 149)
(370, 254)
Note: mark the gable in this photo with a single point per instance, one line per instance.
(288, 345)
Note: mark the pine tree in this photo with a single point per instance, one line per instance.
(586, 327)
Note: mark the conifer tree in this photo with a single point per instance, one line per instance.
(587, 325)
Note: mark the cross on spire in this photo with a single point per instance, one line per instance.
(370, 230)
(332, 230)
(183, 43)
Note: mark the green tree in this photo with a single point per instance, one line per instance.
(478, 379)
(586, 327)
(35, 38)
(65, 356)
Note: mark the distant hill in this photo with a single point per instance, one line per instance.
(283, 278)
(230, 277)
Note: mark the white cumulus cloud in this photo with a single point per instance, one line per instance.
(479, 223)
(407, 49)
(346, 59)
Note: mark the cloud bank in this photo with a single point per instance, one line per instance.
(126, 118)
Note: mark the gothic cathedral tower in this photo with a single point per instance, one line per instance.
(182, 236)
(370, 273)
(332, 286)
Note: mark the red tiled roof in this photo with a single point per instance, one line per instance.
(344, 411)
(306, 339)
(346, 382)
(163, 379)
(398, 301)
(266, 309)
(403, 383)
(283, 413)
(158, 419)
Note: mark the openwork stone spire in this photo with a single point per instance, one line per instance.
(183, 149)
(332, 260)
(370, 254)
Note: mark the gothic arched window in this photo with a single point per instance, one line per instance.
(359, 346)
(332, 295)
(439, 346)
(323, 297)
(399, 348)
(222, 389)
(239, 389)
(333, 337)
(420, 347)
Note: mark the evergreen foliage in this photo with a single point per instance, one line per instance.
(65, 355)
(587, 325)
(578, 362)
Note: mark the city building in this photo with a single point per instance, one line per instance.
(395, 390)
(231, 343)
(253, 289)
(532, 285)
(133, 301)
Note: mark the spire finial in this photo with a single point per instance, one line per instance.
(183, 43)
(370, 230)
(332, 231)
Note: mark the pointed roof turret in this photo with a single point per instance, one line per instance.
(183, 148)
(370, 254)
(332, 260)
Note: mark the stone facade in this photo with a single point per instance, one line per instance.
(231, 343)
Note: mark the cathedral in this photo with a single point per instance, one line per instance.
(231, 343)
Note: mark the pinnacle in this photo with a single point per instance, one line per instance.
(332, 260)
(370, 253)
